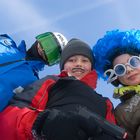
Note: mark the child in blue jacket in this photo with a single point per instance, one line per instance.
(19, 68)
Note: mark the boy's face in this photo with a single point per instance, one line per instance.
(132, 76)
(78, 66)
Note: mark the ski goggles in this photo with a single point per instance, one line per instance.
(133, 62)
(50, 46)
(120, 69)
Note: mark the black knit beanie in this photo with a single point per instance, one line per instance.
(76, 47)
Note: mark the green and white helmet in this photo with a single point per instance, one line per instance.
(52, 44)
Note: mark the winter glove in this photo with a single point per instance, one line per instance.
(119, 92)
(57, 125)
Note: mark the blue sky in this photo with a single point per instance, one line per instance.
(84, 19)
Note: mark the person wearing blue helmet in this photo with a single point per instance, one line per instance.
(117, 57)
(19, 67)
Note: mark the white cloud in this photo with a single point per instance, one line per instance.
(21, 15)
(91, 6)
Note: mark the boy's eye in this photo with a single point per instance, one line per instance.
(71, 60)
(85, 60)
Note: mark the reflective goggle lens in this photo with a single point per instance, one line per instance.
(119, 69)
(51, 47)
(134, 62)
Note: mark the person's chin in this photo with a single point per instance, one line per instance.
(133, 83)
(78, 77)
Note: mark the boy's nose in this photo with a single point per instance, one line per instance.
(78, 63)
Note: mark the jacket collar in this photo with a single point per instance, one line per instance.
(90, 79)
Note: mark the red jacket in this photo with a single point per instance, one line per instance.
(17, 119)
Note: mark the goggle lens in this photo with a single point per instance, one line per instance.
(134, 62)
(119, 69)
